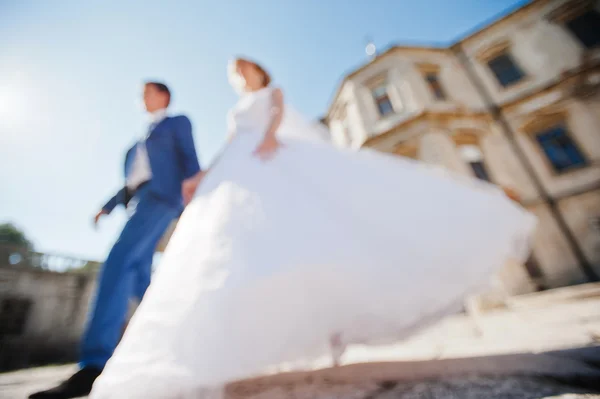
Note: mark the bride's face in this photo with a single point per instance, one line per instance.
(235, 78)
(243, 76)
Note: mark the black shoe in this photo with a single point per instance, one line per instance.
(80, 384)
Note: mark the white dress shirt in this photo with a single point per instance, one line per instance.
(140, 171)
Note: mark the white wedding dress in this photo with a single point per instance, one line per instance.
(271, 259)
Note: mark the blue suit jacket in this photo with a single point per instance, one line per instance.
(172, 157)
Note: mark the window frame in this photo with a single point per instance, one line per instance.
(567, 12)
(514, 65)
(501, 48)
(382, 81)
(542, 121)
(567, 134)
(574, 34)
(436, 86)
(471, 138)
(385, 96)
(433, 70)
(483, 168)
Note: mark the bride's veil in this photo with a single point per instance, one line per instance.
(295, 126)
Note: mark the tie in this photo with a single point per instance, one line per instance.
(150, 129)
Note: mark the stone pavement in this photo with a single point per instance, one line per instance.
(517, 387)
(519, 352)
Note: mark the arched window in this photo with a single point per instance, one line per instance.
(467, 144)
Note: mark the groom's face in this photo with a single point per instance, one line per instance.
(154, 99)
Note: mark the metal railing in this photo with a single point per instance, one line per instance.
(13, 255)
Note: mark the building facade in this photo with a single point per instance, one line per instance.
(515, 103)
(42, 312)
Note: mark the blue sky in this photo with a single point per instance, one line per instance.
(71, 73)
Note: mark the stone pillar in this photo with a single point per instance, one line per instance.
(437, 148)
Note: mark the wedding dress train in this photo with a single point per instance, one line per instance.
(272, 259)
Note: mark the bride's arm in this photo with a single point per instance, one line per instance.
(270, 144)
(230, 127)
(276, 113)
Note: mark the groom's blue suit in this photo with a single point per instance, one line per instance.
(126, 272)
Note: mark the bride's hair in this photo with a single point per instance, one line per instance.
(233, 74)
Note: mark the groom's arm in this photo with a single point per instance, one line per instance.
(112, 203)
(122, 197)
(184, 142)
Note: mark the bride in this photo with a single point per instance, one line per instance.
(290, 246)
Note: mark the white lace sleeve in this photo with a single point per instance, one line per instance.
(230, 124)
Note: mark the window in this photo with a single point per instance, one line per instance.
(472, 155)
(505, 69)
(479, 170)
(382, 100)
(13, 315)
(535, 272)
(561, 150)
(435, 86)
(586, 27)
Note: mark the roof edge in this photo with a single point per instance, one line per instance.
(478, 29)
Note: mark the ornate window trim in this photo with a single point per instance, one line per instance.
(377, 80)
(542, 120)
(493, 50)
(465, 137)
(428, 68)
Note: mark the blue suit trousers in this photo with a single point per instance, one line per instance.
(124, 275)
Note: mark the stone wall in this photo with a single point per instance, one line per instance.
(42, 314)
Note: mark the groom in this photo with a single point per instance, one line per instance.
(161, 170)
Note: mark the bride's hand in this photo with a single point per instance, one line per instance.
(267, 148)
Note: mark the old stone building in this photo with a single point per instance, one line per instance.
(515, 103)
(42, 312)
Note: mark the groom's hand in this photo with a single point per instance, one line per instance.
(189, 186)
